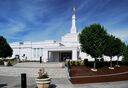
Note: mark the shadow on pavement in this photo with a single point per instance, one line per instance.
(52, 86)
(2, 85)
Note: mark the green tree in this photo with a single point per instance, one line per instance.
(125, 54)
(5, 49)
(92, 40)
(120, 46)
(111, 49)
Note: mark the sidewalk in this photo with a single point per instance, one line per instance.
(14, 82)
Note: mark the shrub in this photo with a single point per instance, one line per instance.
(72, 63)
(1, 62)
(78, 63)
(11, 62)
(85, 62)
(81, 63)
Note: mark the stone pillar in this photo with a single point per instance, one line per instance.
(45, 55)
(74, 55)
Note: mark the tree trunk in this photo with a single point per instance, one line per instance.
(111, 62)
(117, 60)
(117, 64)
(94, 64)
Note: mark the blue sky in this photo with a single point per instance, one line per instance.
(37, 20)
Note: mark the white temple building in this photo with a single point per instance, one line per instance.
(50, 50)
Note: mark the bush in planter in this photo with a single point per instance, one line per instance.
(10, 62)
(81, 63)
(1, 62)
(66, 63)
(89, 64)
(43, 80)
(85, 62)
(42, 74)
(72, 63)
(78, 63)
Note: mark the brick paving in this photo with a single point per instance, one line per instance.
(54, 70)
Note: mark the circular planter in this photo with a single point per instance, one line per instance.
(43, 83)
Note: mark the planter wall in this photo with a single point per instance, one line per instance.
(95, 79)
(43, 83)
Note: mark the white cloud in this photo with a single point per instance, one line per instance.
(12, 27)
(122, 34)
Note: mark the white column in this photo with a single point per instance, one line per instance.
(49, 56)
(32, 54)
(74, 55)
(45, 55)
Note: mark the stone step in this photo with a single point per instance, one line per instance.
(37, 64)
(54, 70)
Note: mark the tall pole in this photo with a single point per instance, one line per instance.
(19, 50)
(31, 49)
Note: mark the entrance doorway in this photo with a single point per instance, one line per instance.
(59, 56)
(65, 55)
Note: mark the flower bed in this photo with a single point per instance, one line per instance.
(83, 74)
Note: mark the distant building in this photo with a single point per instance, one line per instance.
(50, 50)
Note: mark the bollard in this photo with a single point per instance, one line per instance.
(40, 59)
(23, 80)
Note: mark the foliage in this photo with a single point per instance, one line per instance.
(120, 47)
(85, 61)
(5, 49)
(92, 40)
(10, 62)
(125, 54)
(42, 74)
(1, 62)
(74, 63)
(113, 46)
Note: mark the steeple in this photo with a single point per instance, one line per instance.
(73, 28)
(73, 35)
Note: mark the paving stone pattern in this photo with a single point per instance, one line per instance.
(54, 70)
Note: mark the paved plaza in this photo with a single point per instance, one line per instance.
(10, 77)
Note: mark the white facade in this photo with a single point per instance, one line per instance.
(48, 50)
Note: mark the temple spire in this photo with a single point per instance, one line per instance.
(73, 28)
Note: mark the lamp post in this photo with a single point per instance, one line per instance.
(31, 49)
(19, 50)
(20, 43)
